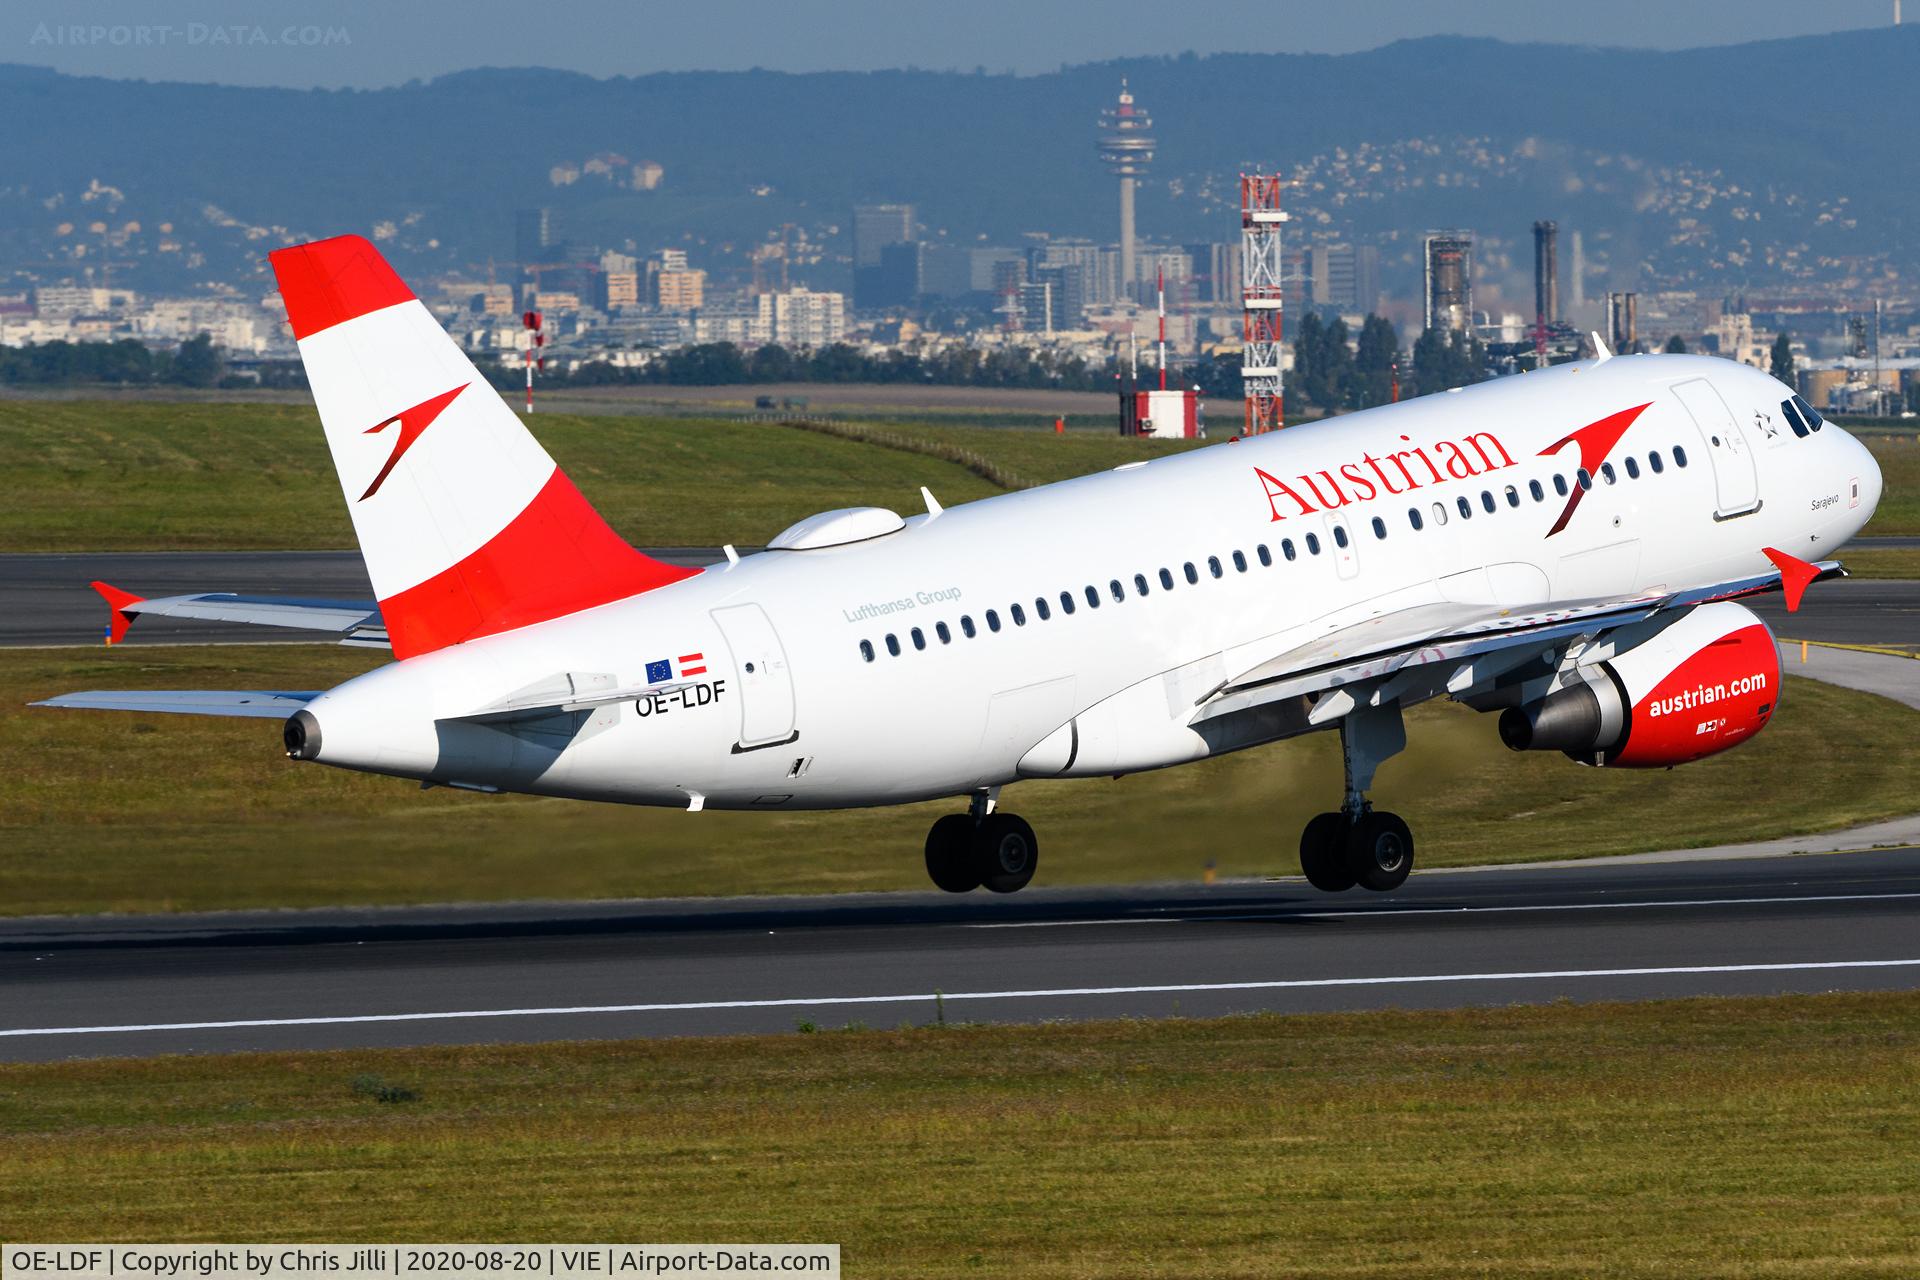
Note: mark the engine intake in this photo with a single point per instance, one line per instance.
(1705, 684)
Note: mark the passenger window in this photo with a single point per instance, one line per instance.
(1118, 592)
(1486, 500)
(1679, 456)
(1379, 527)
(1040, 609)
(1266, 556)
(1513, 496)
(1340, 534)
(1439, 513)
(1286, 548)
(893, 644)
(920, 638)
(1093, 597)
(1539, 494)
(1313, 544)
(940, 629)
(1466, 508)
(1193, 574)
(993, 620)
(1584, 477)
(1559, 484)
(1213, 566)
(966, 625)
(1653, 460)
(866, 650)
(1607, 473)
(1240, 561)
(1633, 467)
(1018, 615)
(1066, 602)
(1166, 579)
(1413, 518)
(1140, 583)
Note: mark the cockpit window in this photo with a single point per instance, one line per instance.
(1812, 415)
(1791, 412)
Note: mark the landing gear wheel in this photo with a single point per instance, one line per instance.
(1379, 851)
(1323, 853)
(950, 860)
(1005, 852)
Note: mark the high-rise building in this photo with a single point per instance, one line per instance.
(1216, 270)
(895, 281)
(875, 226)
(1036, 307)
(619, 289)
(534, 240)
(680, 290)
(1449, 280)
(1068, 301)
(1126, 144)
(803, 318)
(1344, 277)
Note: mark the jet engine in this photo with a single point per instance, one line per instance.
(1708, 682)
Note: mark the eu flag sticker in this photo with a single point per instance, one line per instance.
(658, 671)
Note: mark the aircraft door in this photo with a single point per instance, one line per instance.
(1735, 479)
(762, 677)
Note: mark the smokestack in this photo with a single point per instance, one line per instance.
(1546, 272)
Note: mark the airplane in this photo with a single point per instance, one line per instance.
(1565, 548)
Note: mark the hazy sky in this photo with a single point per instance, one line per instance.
(367, 43)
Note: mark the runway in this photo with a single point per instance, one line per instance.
(525, 973)
(48, 602)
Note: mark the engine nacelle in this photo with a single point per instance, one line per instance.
(1708, 682)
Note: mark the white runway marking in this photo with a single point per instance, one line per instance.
(929, 997)
(1375, 913)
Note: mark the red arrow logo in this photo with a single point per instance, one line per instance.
(1596, 441)
(412, 422)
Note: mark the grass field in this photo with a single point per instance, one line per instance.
(125, 812)
(89, 475)
(1762, 1137)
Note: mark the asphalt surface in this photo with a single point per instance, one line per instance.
(45, 599)
(413, 976)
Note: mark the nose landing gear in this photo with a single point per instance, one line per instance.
(982, 849)
(1360, 844)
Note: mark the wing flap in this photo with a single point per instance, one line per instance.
(252, 703)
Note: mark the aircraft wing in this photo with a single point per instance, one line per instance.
(358, 621)
(258, 704)
(1345, 669)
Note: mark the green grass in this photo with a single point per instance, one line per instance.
(1881, 562)
(156, 476)
(1759, 1137)
(125, 812)
(1899, 511)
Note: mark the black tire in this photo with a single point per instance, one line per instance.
(1380, 852)
(950, 862)
(1005, 853)
(1323, 853)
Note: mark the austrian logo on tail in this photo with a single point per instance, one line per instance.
(412, 422)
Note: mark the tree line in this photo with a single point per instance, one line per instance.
(196, 363)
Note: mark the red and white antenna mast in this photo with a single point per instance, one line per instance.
(536, 339)
(1260, 299)
(1160, 288)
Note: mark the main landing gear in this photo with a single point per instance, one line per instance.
(982, 848)
(1360, 844)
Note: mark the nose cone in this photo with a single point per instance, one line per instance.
(1867, 472)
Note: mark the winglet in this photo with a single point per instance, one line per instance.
(1600, 353)
(117, 600)
(933, 504)
(1795, 575)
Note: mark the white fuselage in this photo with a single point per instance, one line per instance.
(791, 713)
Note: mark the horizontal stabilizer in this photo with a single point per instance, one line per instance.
(562, 693)
(258, 704)
(358, 620)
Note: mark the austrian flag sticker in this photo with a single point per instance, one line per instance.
(691, 664)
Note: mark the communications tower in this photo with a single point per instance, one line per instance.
(1260, 298)
(1126, 144)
